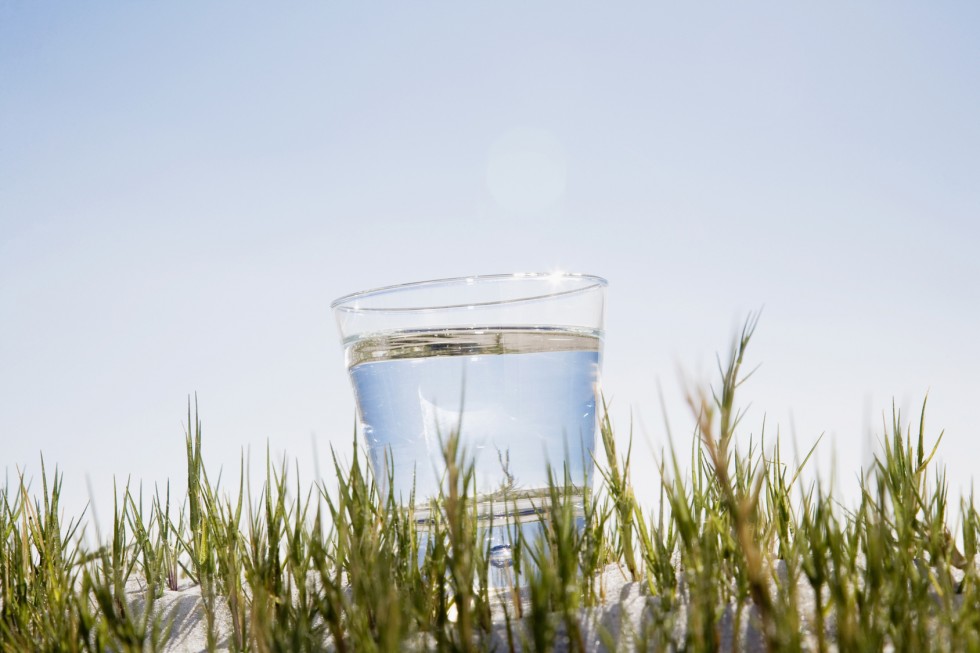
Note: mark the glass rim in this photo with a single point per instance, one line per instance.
(343, 303)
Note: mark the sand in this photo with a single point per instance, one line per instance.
(609, 627)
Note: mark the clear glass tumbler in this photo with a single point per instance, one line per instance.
(511, 361)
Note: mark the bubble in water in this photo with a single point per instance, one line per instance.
(501, 556)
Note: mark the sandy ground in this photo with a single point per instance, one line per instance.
(610, 627)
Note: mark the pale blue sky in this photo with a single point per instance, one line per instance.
(184, 188)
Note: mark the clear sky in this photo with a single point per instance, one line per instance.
(184, 188)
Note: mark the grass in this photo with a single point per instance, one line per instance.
(739, 552)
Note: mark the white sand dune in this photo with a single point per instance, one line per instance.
(627, 609)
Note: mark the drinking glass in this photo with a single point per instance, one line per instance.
(510, 362)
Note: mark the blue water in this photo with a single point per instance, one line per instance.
(522, 399)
